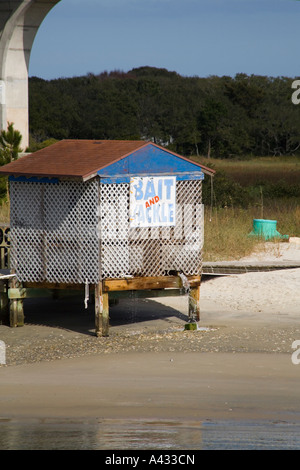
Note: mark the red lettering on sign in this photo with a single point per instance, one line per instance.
(152, 201)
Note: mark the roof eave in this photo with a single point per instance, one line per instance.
(206, 170)
(40, 176)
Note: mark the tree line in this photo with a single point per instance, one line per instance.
(221, 117)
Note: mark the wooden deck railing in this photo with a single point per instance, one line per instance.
(4, 246)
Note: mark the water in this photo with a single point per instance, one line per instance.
(148, 435)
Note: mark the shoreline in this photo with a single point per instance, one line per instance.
(161, 386)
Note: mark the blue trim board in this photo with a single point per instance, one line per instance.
(33, 179)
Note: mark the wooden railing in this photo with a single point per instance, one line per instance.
(4, 246)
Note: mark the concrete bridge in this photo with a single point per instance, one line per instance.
(19, 23)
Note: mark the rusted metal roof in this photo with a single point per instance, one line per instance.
(78, 159)
(71, 158)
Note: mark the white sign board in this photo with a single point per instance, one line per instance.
(153, 201)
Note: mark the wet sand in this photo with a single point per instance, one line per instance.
(160, 386)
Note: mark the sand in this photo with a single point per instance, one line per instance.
(238, 365)
(157, 386)
(265, 296)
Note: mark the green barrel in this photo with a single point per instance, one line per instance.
(266, 229)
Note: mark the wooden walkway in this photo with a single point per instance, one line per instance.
(222, 268)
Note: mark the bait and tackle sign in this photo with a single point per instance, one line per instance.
(153, 201)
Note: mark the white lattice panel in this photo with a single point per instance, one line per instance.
(53, 231)
(150, 251)
(114, 230)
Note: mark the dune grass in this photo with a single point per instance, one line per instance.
(4, 212)
(226, 234)
(268, 188)
(226, 229)
(259, 170)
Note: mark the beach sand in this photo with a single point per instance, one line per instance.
(236, 366)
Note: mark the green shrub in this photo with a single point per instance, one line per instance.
(226, 192)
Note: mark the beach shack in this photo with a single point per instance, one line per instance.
(112, 216)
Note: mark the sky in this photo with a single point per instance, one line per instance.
(191, 37)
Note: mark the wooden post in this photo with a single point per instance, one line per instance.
(101, 311)
(4, 305)
(194, 303)
(16, 294)
(97, 308)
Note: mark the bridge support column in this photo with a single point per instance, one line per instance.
(19, 23)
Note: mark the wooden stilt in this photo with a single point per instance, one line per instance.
(194, 303)
(4, 304)
(16, 294)
(101, 311)
(97, 308)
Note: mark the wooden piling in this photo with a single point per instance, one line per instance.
(16, 294)
(4, 304)
(194, 303)
(101, 311)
